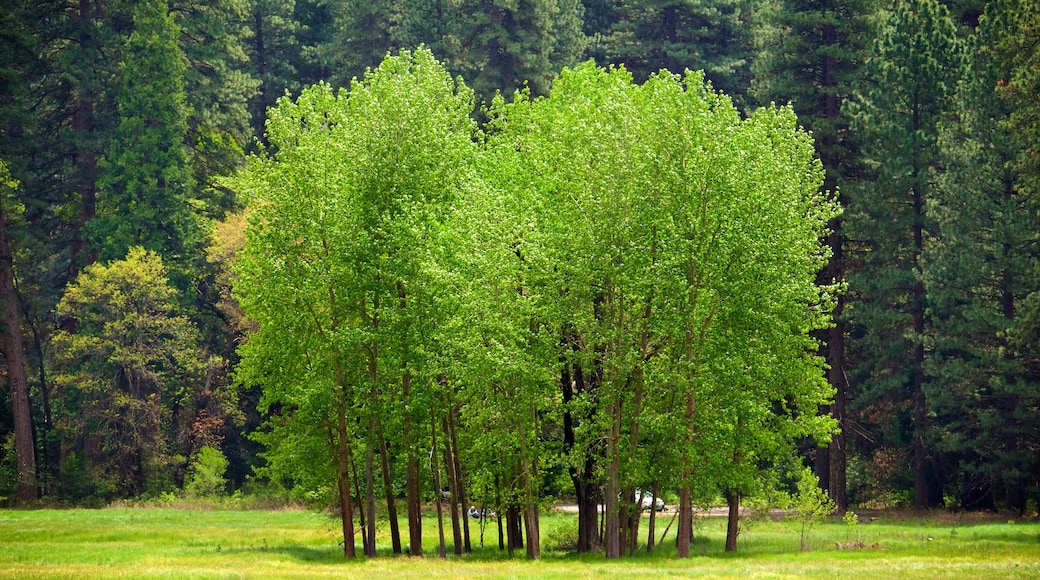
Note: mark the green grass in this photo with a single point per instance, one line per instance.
(142, 543)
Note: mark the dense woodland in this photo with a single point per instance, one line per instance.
(534, 267)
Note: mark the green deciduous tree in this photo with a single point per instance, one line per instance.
(335, 273)
(668, 286)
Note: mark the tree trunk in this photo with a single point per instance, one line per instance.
(499, 508)
(653, 519)
(685, 534)
(733, 521)
(512, 529)
(388, 490)
(459, 479)
(366, 539)
(346, 503)
(572, 381)
(437, 484)
(370, 490)
(453, 486)
(612, 527)
(528, 469)
(86, 157)
(835, 272)
(837, 488)
(411, 475)
(14, 357)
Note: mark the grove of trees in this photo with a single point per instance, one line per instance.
(360, 252)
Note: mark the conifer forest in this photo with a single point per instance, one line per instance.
(373, 256)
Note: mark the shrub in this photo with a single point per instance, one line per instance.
(206, 474)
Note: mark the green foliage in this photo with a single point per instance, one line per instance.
(714, 36)
(851, 521)
(810, 505)
(914, 67)
(218, 88)
(979, 272)
(127, 359)
(346, 209)
(206, 470)
(147, 179)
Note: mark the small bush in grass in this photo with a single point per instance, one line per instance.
(206, 474)
(560, 533)
(810, 505)
(851, 520)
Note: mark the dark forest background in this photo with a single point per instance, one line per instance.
(119, 119)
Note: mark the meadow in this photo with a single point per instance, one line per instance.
(139, 542)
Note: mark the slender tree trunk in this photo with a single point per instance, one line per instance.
(370, 490)
(733, 520)
(612, 525)
(528, 473)
(437, 483)
(460, 480)
(86, 157)
(653, 519)
(499, 507)
(684, 535)
(453, 486)
(14, 358)
(837, 488)
(388, 490)
(346, 503)
(411, 476)
(374, 433)
(362, 519)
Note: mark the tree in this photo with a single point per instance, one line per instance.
(715, 36)
(911, 76)
(218, 87)
(978, 273)
(278, 55)
(636, 243)
(147, 179)
(14, 356)
(346, 207)
(502, 45)
(131, 362)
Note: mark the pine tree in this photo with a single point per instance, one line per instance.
(911, 76)
(280, 54)
(147, 173)
(715, 36)
(978, 273)
(218, 87)
(501, 46)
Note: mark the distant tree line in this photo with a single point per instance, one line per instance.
(121, 123)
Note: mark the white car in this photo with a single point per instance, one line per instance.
(651, 502)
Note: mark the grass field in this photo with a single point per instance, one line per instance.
(165, 543)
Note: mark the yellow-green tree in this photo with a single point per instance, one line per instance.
(125, 365)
